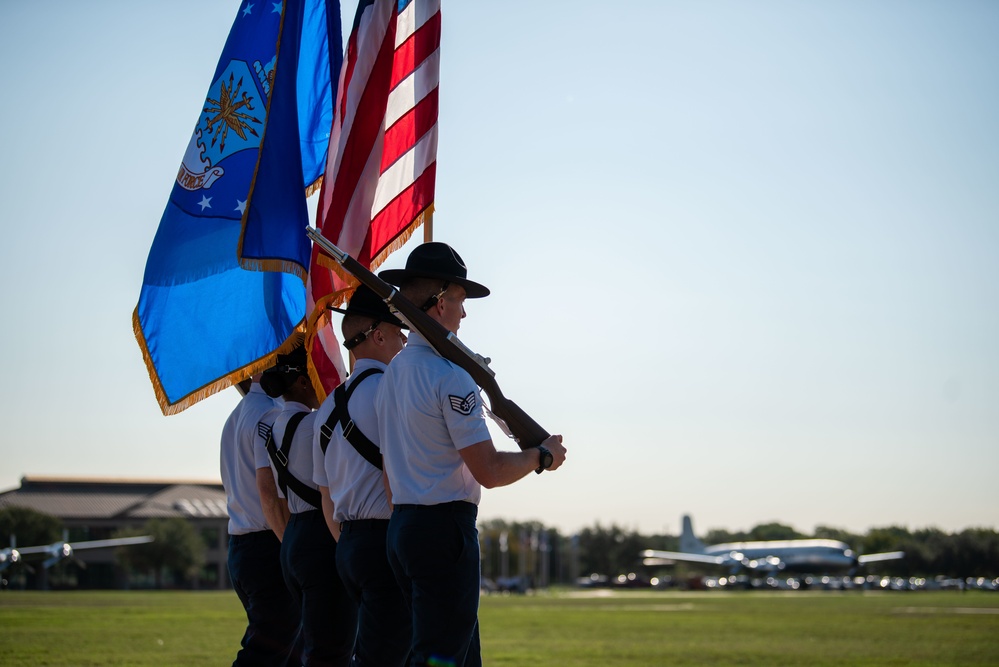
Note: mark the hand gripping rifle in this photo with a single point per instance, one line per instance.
(517, 423)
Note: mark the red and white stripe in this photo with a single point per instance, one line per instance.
(325, 359)
(382, 161)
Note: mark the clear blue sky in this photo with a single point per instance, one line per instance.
(744, 256)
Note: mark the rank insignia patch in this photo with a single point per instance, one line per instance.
(263, 430)
(463, 405)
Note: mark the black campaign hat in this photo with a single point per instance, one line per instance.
(366, 303)
(276, 380)
(295, 361)
(436, 260)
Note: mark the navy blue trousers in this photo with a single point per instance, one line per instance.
(271, 614)
(434, 553)
(384, 628)
(329, 616)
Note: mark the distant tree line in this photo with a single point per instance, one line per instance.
(537, 555)
(512, 548)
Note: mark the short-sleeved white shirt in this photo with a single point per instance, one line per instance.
(428, 409)
(300, 453)
(264, 426)
(355, 485)
(238, 463)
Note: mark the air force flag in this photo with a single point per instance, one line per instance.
(224, 283)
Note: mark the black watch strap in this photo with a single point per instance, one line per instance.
(545, 459)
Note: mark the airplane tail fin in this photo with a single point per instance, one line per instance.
(688, 541)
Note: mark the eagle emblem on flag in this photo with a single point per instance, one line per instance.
(233, 111)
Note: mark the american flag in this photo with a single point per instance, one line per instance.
(382, 161)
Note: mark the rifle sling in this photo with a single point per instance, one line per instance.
(360, 442)
(279, 457)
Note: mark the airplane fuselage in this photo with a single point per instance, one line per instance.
(815, 556)
(811, 556)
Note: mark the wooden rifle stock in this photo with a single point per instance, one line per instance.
(527, 432)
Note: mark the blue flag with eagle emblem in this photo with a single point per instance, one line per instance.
(224, 289)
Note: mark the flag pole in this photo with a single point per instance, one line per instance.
(428, 229)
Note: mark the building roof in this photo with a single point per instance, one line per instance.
(95, 498)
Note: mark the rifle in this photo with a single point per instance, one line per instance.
(515, 422)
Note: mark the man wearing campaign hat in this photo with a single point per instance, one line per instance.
(438, 455)
(348, 471)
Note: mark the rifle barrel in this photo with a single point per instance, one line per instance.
(526, 431)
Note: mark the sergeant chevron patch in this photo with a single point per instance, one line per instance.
(463, 405)
(263, 430)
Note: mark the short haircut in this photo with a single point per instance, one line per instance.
(421, 290)
(354, 324)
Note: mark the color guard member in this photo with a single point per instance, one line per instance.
(253, 559)
(437, 455)
(348, 472)
(308, 550)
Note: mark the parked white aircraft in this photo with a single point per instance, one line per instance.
(62, 549)
(9, 555)
(815, 556)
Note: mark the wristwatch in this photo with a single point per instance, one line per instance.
(545, 459)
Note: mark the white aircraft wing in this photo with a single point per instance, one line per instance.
(45, 548)
(876, 558)
(113, 542)
(681, 555)
(92, 544)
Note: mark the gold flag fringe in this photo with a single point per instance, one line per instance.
(425, 216)
(236, 376)
(278, 265)
(314, 188)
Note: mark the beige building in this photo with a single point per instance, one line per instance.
(94, 509)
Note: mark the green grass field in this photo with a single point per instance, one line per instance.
(565, 629)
